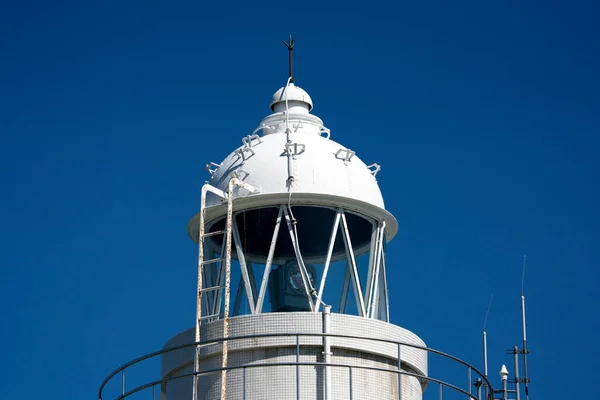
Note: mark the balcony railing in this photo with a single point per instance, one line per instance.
(474, 385)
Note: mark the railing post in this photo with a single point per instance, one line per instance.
(469, 379)
(350, 381)
(244, 381)
(399, 371)
(297, 367)
(122, 382)
(327, 350)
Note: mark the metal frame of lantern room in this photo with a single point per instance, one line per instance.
(371, 298)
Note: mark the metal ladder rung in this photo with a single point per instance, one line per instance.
(211, 316)
(208, 289)
(215, 233)
(212, 261)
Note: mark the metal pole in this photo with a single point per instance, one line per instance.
(350, 382)
(525, 351)
(265, 279)
(485, 360)
(297, 367)
(327, 350)
(290, 47)
(244, 382)
(469, 379)
(336, 224)
(516, 356)
(122, 382)
(290, 62)
(228, 236)
(504, 377)
(399, 373)
(360, 303)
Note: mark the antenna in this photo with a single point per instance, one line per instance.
(485, 361)
(290, 46)
(525, 351)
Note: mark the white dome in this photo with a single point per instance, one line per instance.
(324, 173)
(317, 169)
(294, 95)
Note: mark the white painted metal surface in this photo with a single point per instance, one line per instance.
(321, 164)
(317, 169)
(294, 154)
(296, 97)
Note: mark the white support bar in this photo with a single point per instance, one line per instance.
(332, 237)
(384, 305)
(360, 303)
(375, 287)
(301, 267)
(372, 258)
(265, 279)
(238, 298)
(345, 287)
(243, 266)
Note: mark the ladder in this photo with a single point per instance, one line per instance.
(223, 281)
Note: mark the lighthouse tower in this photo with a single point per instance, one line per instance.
(292, 299)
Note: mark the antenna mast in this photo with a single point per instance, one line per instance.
(290, 46)
(485, 358)
(525, 351)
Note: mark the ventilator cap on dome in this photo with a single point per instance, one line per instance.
(296, 97)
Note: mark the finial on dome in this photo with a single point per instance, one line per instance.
(291, 97)
(290, 46)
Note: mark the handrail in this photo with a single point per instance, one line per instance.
(207, 343)
(289, 364)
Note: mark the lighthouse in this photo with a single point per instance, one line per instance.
(292, 295)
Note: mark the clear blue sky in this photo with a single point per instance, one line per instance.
(484, 116)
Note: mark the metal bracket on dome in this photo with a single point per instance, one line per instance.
(326, 131)
(298, 125)
(344, 154)
(263, 128)
(236, 174)
(242, 153)
(295, 149)
(250, 140)
(212, 167)
(374, 168)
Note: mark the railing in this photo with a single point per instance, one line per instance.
(474, 380)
